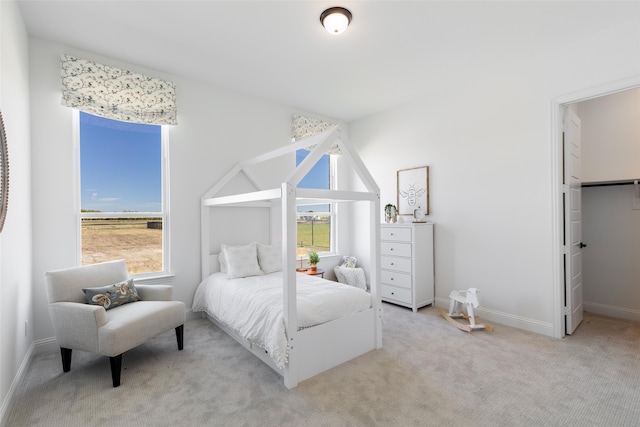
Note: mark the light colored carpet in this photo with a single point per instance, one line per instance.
(427, 374)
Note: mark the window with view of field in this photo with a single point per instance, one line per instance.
(122, 215)
(314, 221)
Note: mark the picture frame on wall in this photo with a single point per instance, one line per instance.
(413, 190)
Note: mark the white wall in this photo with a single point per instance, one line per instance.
(486, 136)
(15, 240)
(215, 130)
(611, 137)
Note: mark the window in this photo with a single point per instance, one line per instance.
(315, 221)
(122, 203)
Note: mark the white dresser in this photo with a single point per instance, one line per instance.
(406, 264)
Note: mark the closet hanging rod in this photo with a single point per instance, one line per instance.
(608, 183)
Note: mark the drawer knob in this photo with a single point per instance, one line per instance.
(392, 278)
(392, 264)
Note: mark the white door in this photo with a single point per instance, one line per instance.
(572, 222)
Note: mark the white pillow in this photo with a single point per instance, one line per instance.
(222, 261)
(242, 261)
(270, 258)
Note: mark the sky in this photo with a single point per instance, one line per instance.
(120, 165)
(318, 177)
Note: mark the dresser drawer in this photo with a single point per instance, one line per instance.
(394, 233)
(396, 279)
(394, 263)
(398, 294)
(397, 249)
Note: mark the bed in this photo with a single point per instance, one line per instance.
(296, 343)
(252, 307)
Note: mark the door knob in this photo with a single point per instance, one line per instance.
(582, 245)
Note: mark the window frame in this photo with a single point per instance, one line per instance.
(333, 250)
(164, 214)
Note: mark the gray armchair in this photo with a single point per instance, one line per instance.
(82, 326)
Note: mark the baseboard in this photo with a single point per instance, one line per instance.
(192, 316)
(488, 315)
(45, 345)
(7, 404)
(612, 311)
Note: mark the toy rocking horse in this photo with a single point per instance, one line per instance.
(461, 300)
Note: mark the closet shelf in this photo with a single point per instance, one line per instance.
(607, 183)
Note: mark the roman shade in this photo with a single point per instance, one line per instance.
(117, 94)
(304, 127)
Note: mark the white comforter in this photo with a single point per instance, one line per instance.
(253, 306)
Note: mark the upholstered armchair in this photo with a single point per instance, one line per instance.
(97, 308)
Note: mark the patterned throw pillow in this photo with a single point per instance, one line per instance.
(349, 261)
(242, 261)
(113, 295)
(270, 258)
(351, 276)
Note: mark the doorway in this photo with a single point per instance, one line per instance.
(558, 190)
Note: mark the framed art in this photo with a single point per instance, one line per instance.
(413, 190)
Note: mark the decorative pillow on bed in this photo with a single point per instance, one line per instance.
(349, 261)
(242, 261)
(112, 295)
(222, 261)
(270, 258)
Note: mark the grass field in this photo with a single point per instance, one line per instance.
(141, 247)
(128, 239)
(315, 237)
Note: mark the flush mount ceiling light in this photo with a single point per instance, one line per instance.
(335, 19)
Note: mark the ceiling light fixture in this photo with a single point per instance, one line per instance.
(335, 19)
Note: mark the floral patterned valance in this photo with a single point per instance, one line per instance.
(117, 94)
(304, 127)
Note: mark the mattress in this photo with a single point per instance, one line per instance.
(253, 306)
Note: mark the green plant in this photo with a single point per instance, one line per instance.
(390, 209)
(314, 258)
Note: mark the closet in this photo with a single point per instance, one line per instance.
(611, 204)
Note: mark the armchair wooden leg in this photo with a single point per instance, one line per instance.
(116, 365)
(180, 336)
(66, 359)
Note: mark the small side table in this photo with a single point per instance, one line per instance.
(318, 272)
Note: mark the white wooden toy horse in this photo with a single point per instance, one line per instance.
(462, 304)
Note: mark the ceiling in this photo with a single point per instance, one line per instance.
(393, 52)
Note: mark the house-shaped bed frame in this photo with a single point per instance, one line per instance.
(316, 349)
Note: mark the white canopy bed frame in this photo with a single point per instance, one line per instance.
(316, 349)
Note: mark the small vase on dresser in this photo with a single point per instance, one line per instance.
(406, 264)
